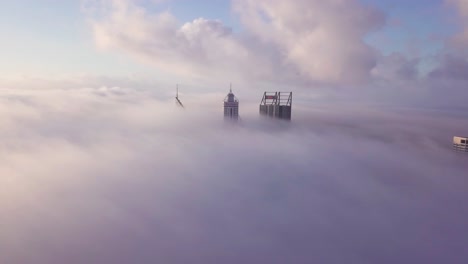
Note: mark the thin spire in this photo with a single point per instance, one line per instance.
(230, 87)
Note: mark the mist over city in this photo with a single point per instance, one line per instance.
(142, 131)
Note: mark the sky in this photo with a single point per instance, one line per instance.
(54, 38)
(99, 165)
(393, 45)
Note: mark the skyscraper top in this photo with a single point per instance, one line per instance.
(231, 106)
(231, 98)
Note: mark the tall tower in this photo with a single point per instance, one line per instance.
(231, 106)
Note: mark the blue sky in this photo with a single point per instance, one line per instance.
(417, 24)
(52, 37)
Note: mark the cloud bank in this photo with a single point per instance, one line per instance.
(120, 175)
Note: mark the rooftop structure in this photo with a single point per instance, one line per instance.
(460, 144)
(231, 106)
(277, 104)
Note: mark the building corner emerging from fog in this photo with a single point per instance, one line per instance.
(231, 106)
(277, 105)
(460, 144)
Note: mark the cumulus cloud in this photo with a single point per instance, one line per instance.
(294, 44)
(322, 40)
(159, 38)
(121, 175)
(309, 40)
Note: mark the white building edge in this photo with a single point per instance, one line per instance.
(460, 144)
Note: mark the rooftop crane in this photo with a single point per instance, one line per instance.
(178, 102)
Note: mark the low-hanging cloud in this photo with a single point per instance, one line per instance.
(121, 175)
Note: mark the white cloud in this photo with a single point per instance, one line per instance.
(294, 44)
(160, 39)
(323, 40)
(308, 40)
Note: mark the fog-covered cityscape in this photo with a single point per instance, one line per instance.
(240, 131)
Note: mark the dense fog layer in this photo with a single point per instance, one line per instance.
(115, 175)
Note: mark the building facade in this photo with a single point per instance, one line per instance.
(231, 106)
(460, 144)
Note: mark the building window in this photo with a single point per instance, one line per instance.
(463, 141)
